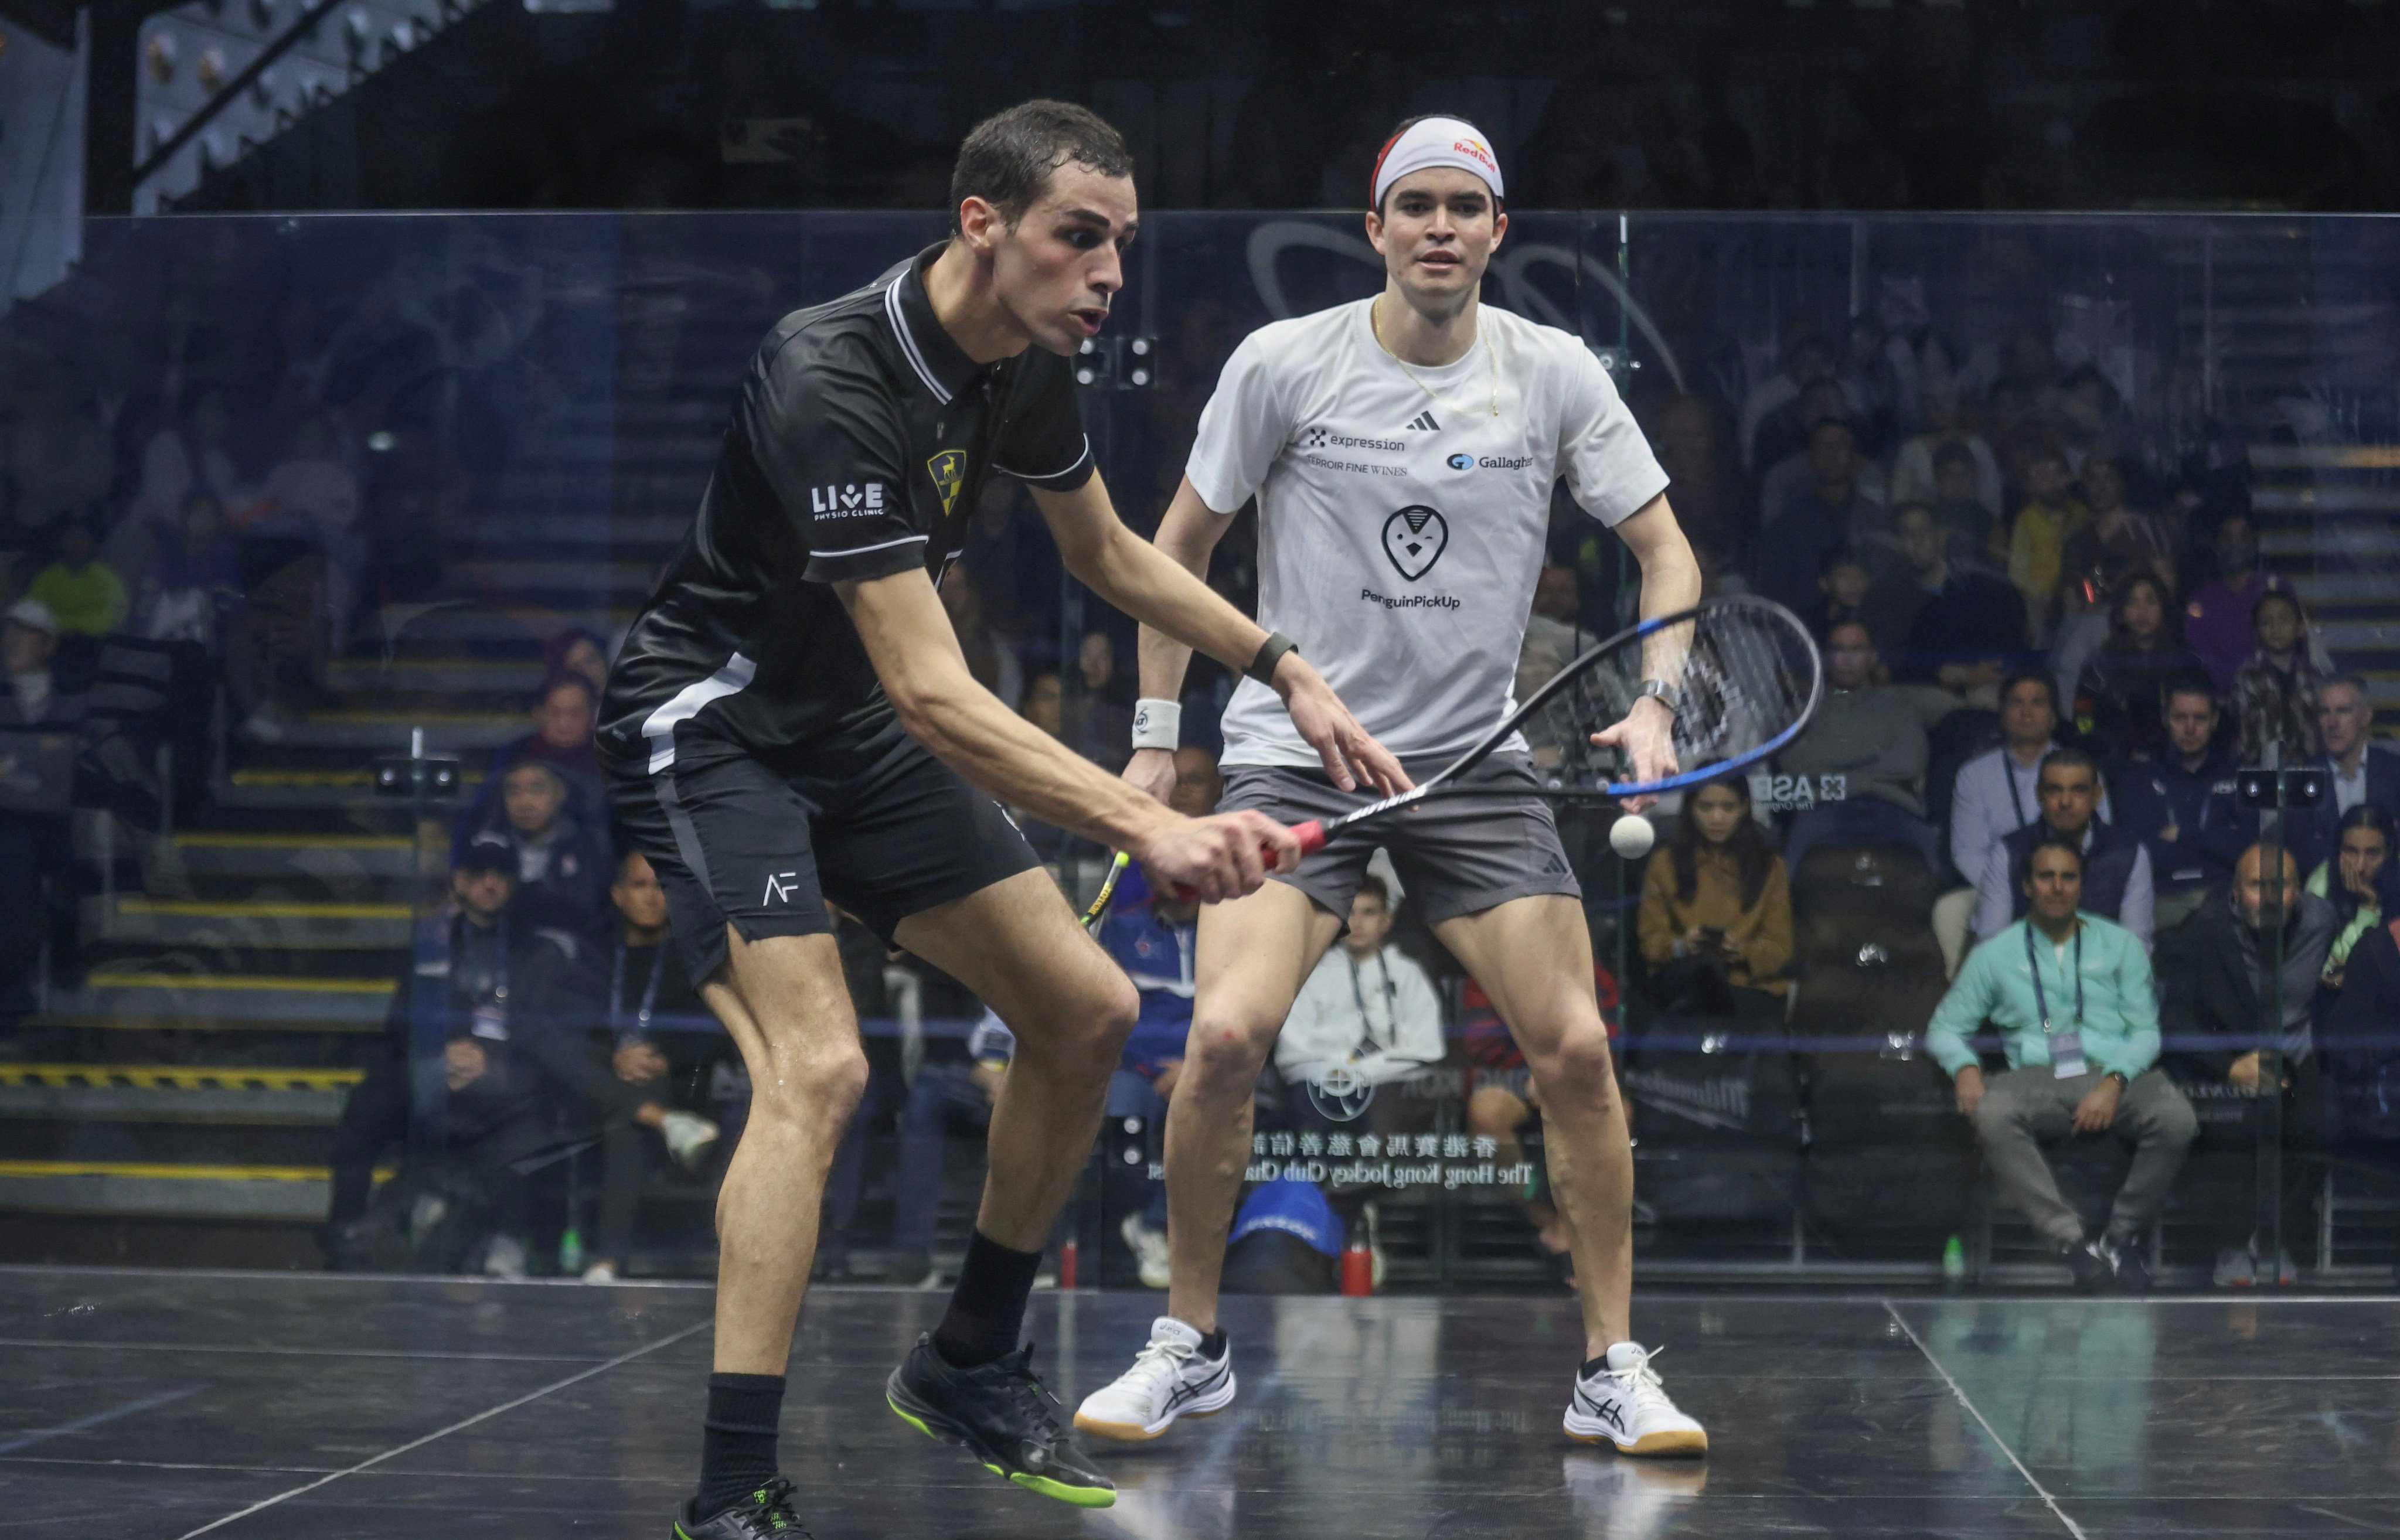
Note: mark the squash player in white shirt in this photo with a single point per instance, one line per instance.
(1402, 451)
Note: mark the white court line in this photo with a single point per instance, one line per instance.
(43, 1436)
(444, 1432)
(2044, 1492)
(102, 1344)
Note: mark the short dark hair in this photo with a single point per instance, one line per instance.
(2067, 758)
(2050, 842)
(1008, 157)
(1371, 883)
(2353, 681)
(2033, 677)
(2189, 682)
(1850, 429)
(1955, 453)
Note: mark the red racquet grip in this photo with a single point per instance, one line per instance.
(1311, 835)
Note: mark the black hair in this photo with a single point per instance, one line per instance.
(2068, 757)
(2281, 596)
(1371, 883)
(2049, 842)
(2170, 620)
(1499, 204)
(1008, 158)
(2030, 675)
(2375, 816)
(1753, 857)
(1955, 452)
(2189, 681)
(2354, 681)
(1844, 423)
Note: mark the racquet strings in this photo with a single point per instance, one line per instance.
(1745, 673)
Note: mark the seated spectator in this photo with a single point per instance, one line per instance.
(86, 598)
(1097, 723)
(1871, 738)
(40, 726)
(194, 585)
(2275, 692)
(2357, 772)
(1915, 470)
(656, 1098)
(579, 652)
(2037, 541)
(1151, 936)
(1788, 474)
(1963, 628)
(482, 1054)
(2356, 1043)
(1769, 427)
(2179, 803)
(1823, 517)
(1716, 909)
(1367, 1017)
(1998, 792)
(1554, 632)
(2217, 622)
(2220, 975)
(563, 712)
(2358, 880)
(2091, 1071)
(954, 1092)
(1842, 594)
(2117, 693)
(1978, 538)
(2114, 879)
(564, 863)
(2119, 541)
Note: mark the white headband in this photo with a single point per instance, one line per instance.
(1437, 142)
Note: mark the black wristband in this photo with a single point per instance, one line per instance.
(1270, 652)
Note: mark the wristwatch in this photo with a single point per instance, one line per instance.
(1664, 693)
(2119, 1076)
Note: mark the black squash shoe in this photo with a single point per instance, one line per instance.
(764, 1515)
(1002, 1413)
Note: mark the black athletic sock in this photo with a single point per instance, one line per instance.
(737, 1442)
(1212, 1346)
(1592, 1367)
(986, 1315)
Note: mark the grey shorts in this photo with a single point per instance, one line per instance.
(1455, 855)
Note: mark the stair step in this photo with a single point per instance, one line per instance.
(389, 732)
(268, 925)
(154, 1093)
(451, 675)
(2343, 457)
(223, 1003)
(325, 857)
(467, 625)
(145, 1188)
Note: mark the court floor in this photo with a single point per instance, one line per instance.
(177, 1404)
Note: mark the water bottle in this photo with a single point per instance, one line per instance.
(1954, 1260)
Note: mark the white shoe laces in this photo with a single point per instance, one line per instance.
(1158, 1365)
(1643, 1384)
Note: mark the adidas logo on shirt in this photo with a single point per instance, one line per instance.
(1423, 423)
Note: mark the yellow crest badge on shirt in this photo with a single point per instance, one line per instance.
(948, 471)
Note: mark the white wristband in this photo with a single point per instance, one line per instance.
(1157, 723)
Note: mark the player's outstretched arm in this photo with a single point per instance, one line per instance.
(915, 655)
(1671, 581)
(1160, 586)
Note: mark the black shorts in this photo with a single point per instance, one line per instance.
(763, 842)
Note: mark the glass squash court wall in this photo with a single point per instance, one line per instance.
(364, 480)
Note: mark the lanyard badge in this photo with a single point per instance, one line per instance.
(2066, 1059)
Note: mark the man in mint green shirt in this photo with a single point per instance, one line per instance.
(2079, 1017)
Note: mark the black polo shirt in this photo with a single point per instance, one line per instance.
(858, 448)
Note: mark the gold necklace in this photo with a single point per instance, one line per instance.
(1375, 325)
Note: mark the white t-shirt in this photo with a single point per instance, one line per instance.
(1401, 524)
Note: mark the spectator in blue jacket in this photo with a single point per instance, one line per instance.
(2179, 803)
(564, 863)
(1152, 937)
(2078, 1020)
(2116, 876)
(2356, 771)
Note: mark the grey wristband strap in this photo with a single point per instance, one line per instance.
(1270, 652)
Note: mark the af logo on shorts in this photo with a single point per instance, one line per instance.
(1414, 539)
(948, 471)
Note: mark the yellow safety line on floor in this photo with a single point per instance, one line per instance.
(180, 1077)
(172, 1173)
(261, 777)
(238, 981)
(237, 910)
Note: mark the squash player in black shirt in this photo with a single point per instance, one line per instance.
(791, 723)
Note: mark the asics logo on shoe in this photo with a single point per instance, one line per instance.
(1613, 1415)
(1191, 1390)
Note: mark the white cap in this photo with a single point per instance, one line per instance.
(1437, 142)
(34, 614)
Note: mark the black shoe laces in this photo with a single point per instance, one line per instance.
(1030, 1393)
(771, 1513)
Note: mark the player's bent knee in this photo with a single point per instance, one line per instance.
(819, 1088)
(1227, 1045)
(1579, 1067)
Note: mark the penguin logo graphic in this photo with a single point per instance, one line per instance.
(1414, 539)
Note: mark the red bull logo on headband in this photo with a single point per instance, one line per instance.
(1471, 148)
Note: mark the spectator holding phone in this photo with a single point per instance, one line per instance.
(1716, 908)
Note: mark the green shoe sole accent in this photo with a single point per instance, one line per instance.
(1082, 1497)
